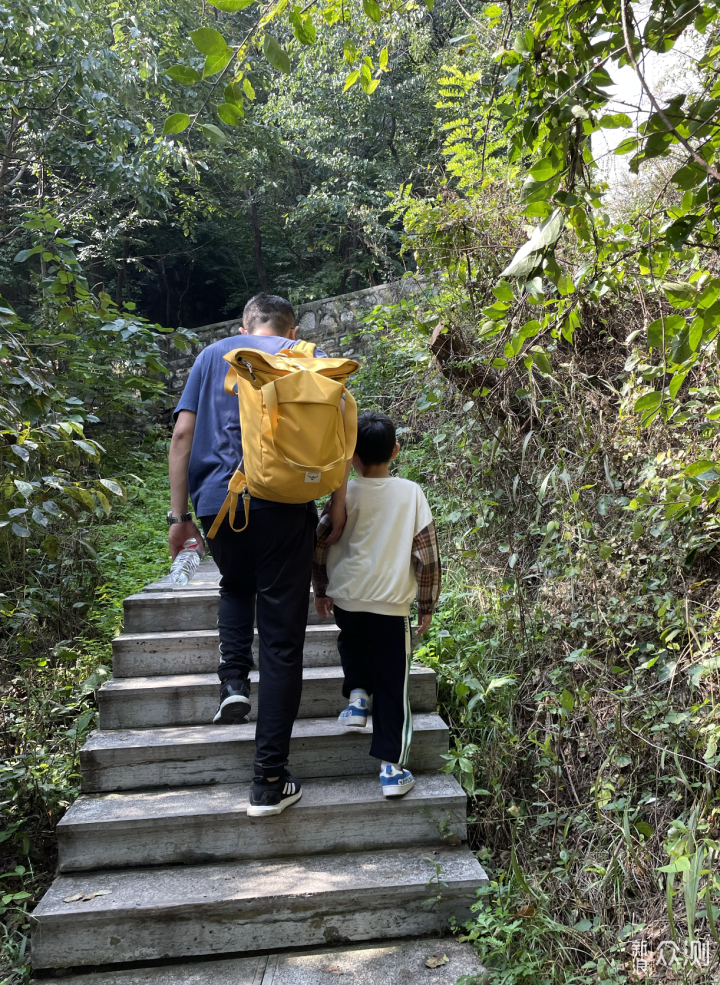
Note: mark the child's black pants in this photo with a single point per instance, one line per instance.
(376, 653)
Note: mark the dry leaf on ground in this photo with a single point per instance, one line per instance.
(436, 960)
(86, 896)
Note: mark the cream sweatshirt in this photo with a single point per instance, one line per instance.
(370, 568)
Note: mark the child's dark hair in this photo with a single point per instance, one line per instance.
(375, 438)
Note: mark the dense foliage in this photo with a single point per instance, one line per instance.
(556, 385)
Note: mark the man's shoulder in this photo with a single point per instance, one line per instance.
(222, 346)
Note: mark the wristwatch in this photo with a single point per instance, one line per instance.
(178, 519)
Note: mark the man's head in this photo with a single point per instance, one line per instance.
(268, 314)
(376, 442)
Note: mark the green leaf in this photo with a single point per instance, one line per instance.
(183, 74)
(680, 347)
(605, 551)
(83, 497)
(384, 60)
(368, 85)
(650, 401)
(213, 133)
(673, 325)
(277, 57)
(232, 115)
(503, 292)
(208, 41)
(675, 383)
(615, 121)
(542, 362)
(543, 170)
(567, 701)
(114, 487)
(679, 294)
(372, 9)
(23, 487)
(701, 466)
(544, 235)
(21, 452)
(643, 828)
(583, 925)
(351, 80)
(87, 448)
(231, 6)
(217, 62)
(303, 27)
(248, 89)
(20, 531)
(176, 123)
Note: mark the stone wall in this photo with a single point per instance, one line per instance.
(327, 323)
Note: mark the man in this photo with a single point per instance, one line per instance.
(270, 560)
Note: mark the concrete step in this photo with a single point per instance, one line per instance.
(181, 757)
(164, 612)
(399, 962)
(192, 699)
(195, 651)
(210, 824)
(182, 911)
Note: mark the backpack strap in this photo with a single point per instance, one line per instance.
(236, 486)
(304, 348)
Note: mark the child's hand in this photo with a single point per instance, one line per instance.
(424, 625)
(324, 606)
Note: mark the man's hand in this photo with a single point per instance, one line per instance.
(178, 533)
(324, 606)
(424, 625)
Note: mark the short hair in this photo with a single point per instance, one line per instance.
(375, 438)
(270, 309)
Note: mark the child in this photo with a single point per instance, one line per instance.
(386, 554)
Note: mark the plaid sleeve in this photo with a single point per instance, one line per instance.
(319, 566)
(426, 561)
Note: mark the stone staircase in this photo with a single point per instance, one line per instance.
(181, 874)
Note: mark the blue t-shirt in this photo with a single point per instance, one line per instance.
(217, 448)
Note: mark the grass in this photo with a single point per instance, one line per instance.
(48, 700)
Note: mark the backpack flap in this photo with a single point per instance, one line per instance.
(259, 368)
(303, 411)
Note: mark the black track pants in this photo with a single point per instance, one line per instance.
(376, 653)
(271, 561)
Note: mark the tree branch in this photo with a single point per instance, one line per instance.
(661, 113)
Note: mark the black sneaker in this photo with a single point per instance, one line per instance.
(272, 798)
(234, 703)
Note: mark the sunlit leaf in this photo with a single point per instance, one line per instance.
(231, 6)
(176, 123)
(184, 74)
(208, 41)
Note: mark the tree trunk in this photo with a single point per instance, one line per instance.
(257, 242)
(122, 274)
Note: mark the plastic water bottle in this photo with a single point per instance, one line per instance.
(186, 563)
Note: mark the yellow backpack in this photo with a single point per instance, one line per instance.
(296, 434)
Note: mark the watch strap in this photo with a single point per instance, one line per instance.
(184, 518)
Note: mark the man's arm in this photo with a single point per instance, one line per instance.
(178, 461)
